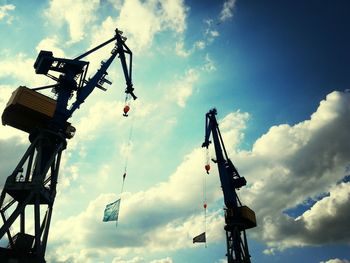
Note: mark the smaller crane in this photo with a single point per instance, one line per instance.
(238, 218)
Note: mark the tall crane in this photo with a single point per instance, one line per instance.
(33, 182)
(238, 218)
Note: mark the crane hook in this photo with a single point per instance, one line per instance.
(126, 110)
(207, 168)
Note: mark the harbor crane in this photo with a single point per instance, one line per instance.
(238, 218)
(32, 184)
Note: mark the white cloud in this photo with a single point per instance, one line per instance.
(303, 160)
(214, 33)
(199, 44)
(327, 213)
(4, 12)
(231, 127)
(269, 251)
(227, 10)
(77, 14)
(174, 14)
(96, 117)
(133, 260)
(51, 44)
(336, 260)
(182, 89)
(156, 16)
(131, 13)
(163, 260)
(20, 68)
(142, 260)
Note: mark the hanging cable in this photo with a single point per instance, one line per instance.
(128, 147)
(205, 219)
(205, 194)
(118, 202)
(207, 161)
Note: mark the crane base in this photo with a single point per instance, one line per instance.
(12, 256)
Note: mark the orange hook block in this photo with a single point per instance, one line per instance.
(126, 110)
(207, 168)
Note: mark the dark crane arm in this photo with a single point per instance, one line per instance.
(237, 217)
(99, 77)
(229, 176)
(73, 74)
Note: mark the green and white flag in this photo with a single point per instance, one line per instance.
(111, 211)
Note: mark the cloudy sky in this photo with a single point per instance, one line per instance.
(278, 74)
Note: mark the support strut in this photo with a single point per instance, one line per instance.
(31, 185)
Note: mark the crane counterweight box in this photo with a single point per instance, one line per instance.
(243, 216)
(28, 109)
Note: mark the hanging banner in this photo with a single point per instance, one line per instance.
(112, 211)
(200, 238)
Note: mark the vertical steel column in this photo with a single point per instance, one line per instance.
(40, 165)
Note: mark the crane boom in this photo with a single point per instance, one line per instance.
(120, 49)
(238, 218)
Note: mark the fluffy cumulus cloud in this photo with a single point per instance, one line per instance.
(20, 68)
(163, 260)
(156, 16)
(78, 15)
(336, 260)
(290, 164)
(51, 44)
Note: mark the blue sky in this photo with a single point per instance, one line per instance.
(278, 74)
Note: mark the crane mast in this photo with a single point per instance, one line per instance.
(33, 182)
(238, 218)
